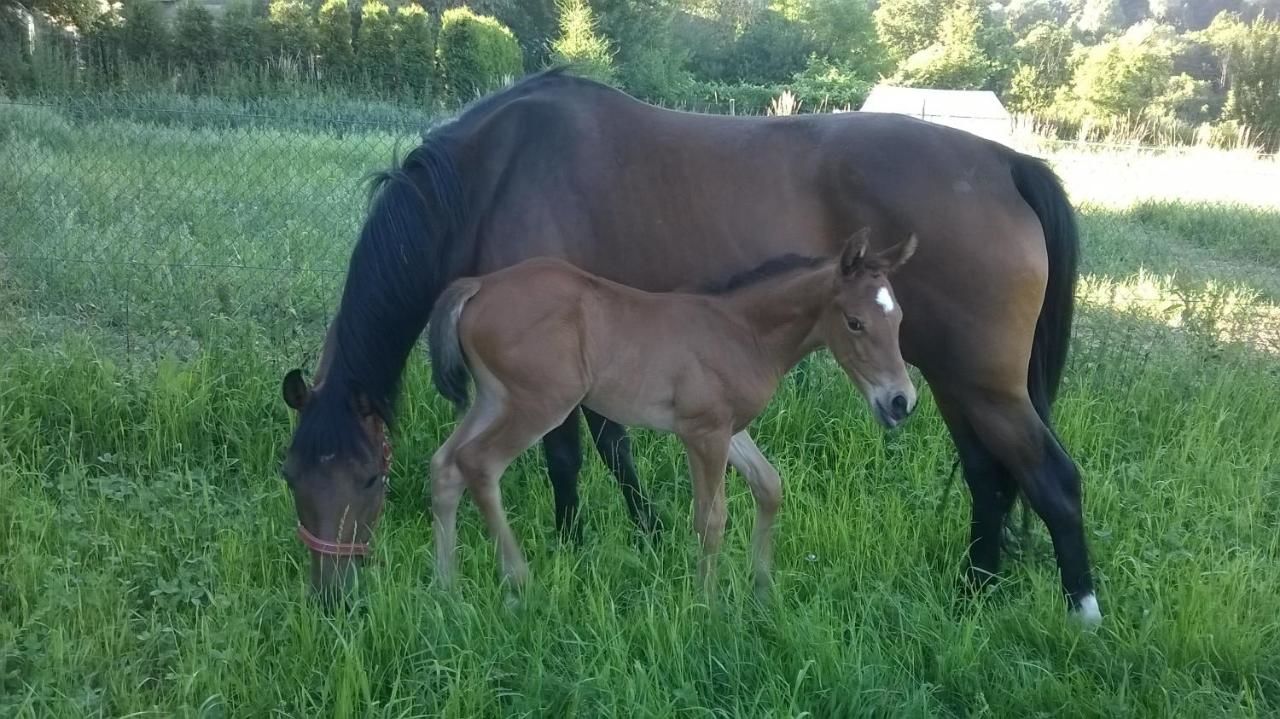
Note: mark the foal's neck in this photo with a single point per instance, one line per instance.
(783, 313)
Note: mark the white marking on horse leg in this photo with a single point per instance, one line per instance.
(1088, 612)
(885, 300)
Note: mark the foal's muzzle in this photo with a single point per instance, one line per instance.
(895, 411)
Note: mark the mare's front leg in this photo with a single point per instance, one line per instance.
(708, 457)
(562, 448)
(614, 446)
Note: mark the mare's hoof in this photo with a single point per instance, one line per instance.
(1087, 615)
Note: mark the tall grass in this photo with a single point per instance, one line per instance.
(148, 565)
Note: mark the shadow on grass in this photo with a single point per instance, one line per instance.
(1197, 243)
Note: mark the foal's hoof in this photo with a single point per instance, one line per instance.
(1087, 614)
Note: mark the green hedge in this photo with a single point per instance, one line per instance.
(476, 53)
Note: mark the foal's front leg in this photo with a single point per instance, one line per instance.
(708, 457)
(766, 487)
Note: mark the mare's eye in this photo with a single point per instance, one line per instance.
(855, 324)
(372, 480)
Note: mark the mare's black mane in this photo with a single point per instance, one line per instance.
(409, 248)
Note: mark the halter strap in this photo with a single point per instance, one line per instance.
(347, 549)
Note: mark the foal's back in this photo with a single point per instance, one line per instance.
(544, 328)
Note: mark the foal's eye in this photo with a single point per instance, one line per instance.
(855, 324)
(369, 484)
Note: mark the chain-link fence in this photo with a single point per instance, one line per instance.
(160, 225)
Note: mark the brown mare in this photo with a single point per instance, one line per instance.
(657, 200)
(542, 337)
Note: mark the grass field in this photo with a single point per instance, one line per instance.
(156, 281)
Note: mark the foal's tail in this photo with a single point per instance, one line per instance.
(449, 370)
(1042, 190)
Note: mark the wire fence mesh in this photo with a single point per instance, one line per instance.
(160, 227)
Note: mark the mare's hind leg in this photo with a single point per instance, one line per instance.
(991, 488)
(1007, 425)
(562, 448)
(614, 446)
(766, 487)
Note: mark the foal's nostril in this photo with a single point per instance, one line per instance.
(900, 407)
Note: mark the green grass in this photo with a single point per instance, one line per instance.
(148, 564)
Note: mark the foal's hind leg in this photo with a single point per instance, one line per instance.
(447, 484)
(614, 446)
(766, 487)
(482, 462)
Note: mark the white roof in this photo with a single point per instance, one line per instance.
(920, 101)
(976, 111)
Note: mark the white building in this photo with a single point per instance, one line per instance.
(976, 111)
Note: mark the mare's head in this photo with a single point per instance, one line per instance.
(336, 468)
(860, 327)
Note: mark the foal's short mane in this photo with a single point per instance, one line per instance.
(770, 268)
(781, 265)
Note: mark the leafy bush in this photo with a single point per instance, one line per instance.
(580, 42)
(333, 39)
(415, 49)
(476, 53)
(823, 85)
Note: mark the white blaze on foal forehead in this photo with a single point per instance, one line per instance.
(884, 299)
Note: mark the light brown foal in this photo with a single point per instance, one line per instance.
(541, 337)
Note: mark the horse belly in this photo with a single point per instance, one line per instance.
(632, 399)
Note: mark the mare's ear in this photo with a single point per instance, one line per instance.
(295, 390)
(897, 256)
(855, 250)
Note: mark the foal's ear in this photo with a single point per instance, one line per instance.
(295, 390)
(897, 256)
(855, 250)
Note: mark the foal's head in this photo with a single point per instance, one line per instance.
(336, 469)
(861, 327)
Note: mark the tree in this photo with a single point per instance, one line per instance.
(415, 49)
(240, 34)
(1121, 78)
(476, 53)
(1044, 65)
(907, 26)
(376, 46)
(195, 44)
(144, 34)
(844, 33)
(1101, 17)
(581, 43)
(955, 60)
(773, 48)
(333, 40)
(293, 31)
(648, 63)
(1251, 65)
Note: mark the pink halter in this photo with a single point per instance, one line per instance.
(346, 549)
